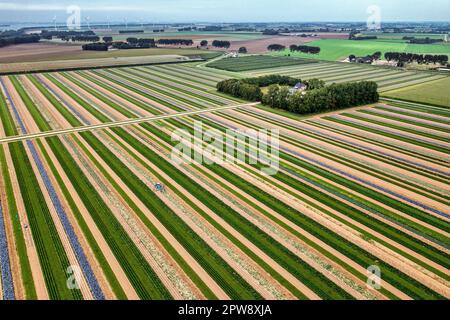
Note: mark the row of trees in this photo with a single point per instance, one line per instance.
(176, 42)
(305, 49)
(97, 46)
(50, 34)
(221, 44)
(82, 38)
(276, 47)
(18, 39)
(329, 98)
(317, 97)
(426, 40)
(403, 57)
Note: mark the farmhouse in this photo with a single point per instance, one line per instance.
(299, 87)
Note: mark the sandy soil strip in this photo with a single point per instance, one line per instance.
(233, 255)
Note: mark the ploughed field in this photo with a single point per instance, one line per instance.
(331, 72)
(358, 188)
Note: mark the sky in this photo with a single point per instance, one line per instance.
(223, 10)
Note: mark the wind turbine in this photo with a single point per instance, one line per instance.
(87, 22)
(126, 23)
(54, 23)
(109, 25)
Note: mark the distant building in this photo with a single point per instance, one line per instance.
(299, 87)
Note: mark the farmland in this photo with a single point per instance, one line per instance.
(338, 50)
(255, 63)
(435, 93)
(331, 72)
(357, 188)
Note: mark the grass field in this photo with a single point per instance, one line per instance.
(255, 63)
(338, 50)
(434, 93)
(361, 187)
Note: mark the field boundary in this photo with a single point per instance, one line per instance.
(12, 73)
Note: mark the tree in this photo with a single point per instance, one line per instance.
(132, 40)
(242, 50)
(204, 43)
(276, 47)
(108, 39)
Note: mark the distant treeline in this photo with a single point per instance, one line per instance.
(177, 42)
(305, 49)
(7, 39)
(131, 43)
(317, 97)
(48, 35)
(130, 31)
(403, 57)
(426, 40)
(354, 35)
(271, 32)
(221, 44)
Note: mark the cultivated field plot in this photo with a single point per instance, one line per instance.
(387, 79)
(255, 63)
(365, 188)
(435, 93)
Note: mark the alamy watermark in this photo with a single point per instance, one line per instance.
(374, 19)
(74, 277)
(234, 146)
